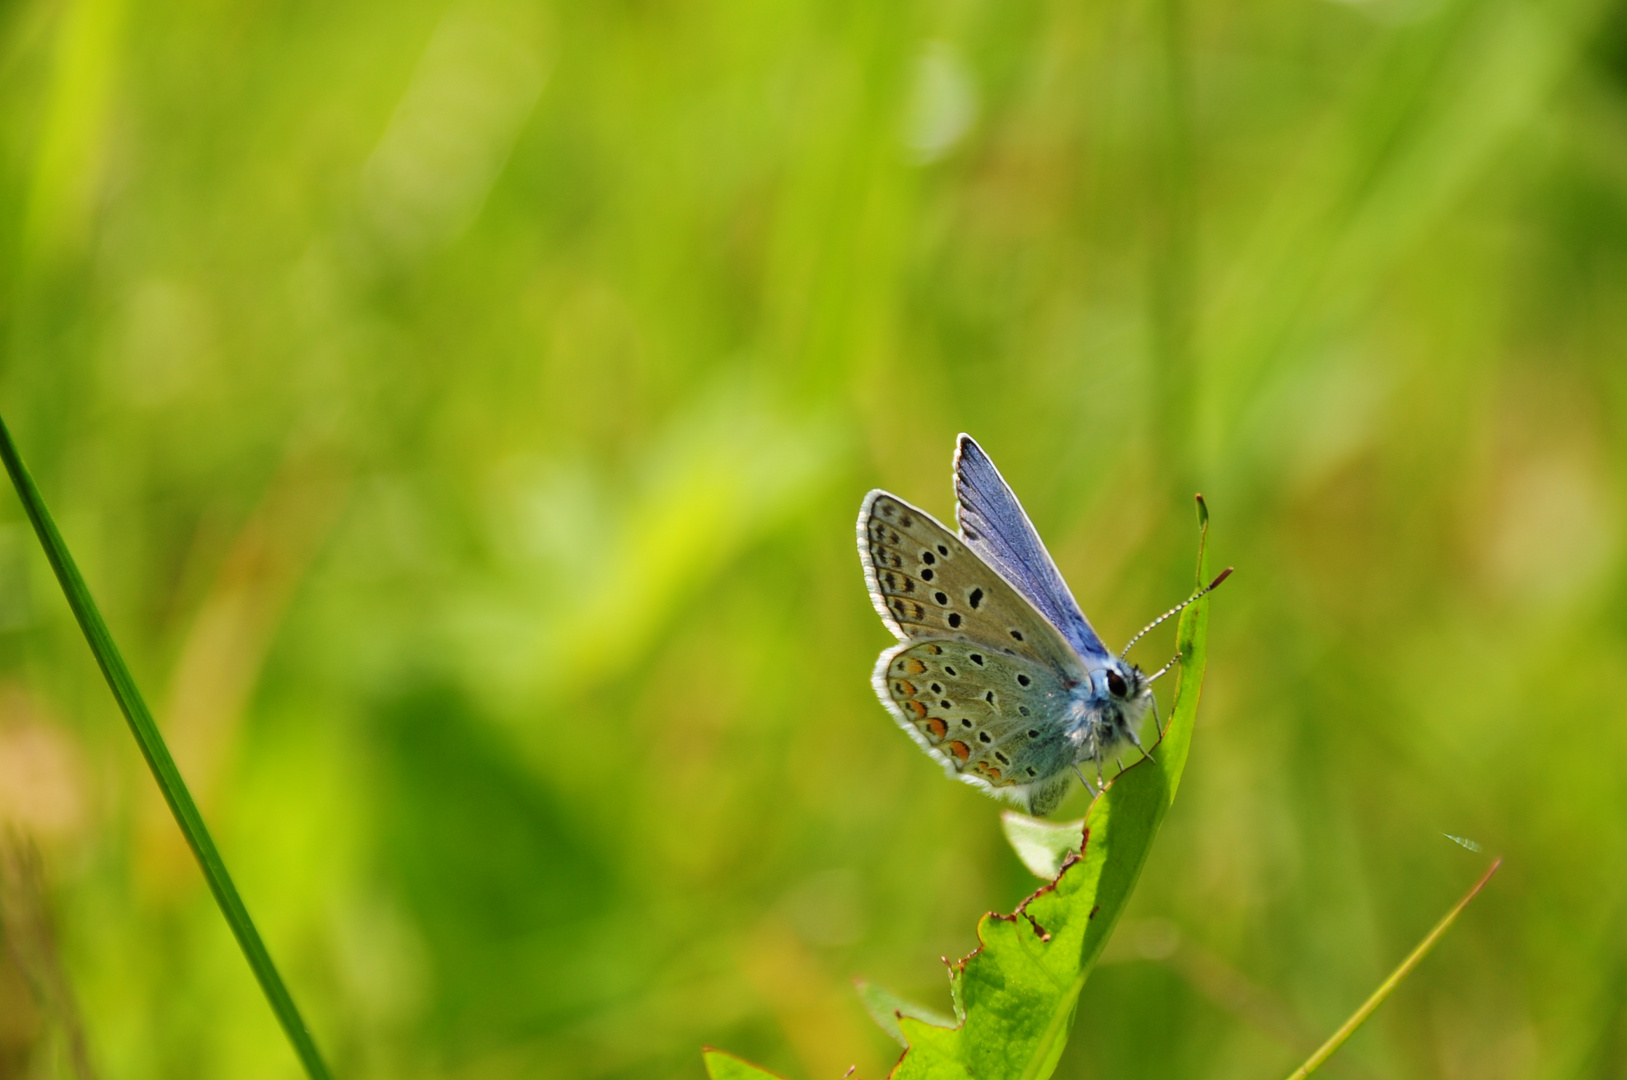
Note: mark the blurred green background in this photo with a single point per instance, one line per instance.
(461, 411)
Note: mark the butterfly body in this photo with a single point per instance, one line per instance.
(997, 674)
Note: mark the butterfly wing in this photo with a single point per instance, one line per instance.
(980, 679)
(993, 524)
(991, 718)
(925, 582)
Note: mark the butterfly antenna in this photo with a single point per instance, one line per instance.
(1176, 610)
(1155, 676)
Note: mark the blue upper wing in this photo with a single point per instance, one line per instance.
(993, 524)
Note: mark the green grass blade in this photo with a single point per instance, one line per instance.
(158, 758)
(1359, 1017)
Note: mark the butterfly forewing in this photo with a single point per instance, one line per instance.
(995, 526)
(926, 583)
(985, 715)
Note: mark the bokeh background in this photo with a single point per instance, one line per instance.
(460, 411)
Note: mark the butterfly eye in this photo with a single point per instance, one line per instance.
(1115, 683)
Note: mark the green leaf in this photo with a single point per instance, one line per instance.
(724, 1066)
(165, 774)
(1018, 990)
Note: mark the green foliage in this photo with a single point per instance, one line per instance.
(1015, 995)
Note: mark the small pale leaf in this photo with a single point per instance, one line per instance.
(1043, 846)
(886, 1007)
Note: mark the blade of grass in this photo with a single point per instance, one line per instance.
(167, 776)
(1359, 1017)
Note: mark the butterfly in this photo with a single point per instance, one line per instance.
(997, 674)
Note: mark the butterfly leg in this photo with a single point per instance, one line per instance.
(1157, 722)
(1135, 740)
(1082, 780)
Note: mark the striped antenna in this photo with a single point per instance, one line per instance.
(1176, 610)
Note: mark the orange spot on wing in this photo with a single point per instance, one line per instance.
(904, 688)
(915, 707)
(938, 728)
(914, 666)
(960, 750)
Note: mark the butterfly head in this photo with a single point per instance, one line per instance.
(1122, 683)
(1121, 696)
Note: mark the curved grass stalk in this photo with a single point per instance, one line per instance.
(1385, 988)
(167, 776)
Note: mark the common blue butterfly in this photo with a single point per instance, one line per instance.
(997, 674)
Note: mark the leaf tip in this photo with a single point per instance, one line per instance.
(722, 1065)
(1203, 511)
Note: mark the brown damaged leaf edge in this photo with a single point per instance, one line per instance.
(1075, 859)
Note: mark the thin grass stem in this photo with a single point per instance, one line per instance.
(1368, 1007)
(167, 776)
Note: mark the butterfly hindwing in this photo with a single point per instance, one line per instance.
(994, 525)
(988, 716)
(925, 582)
